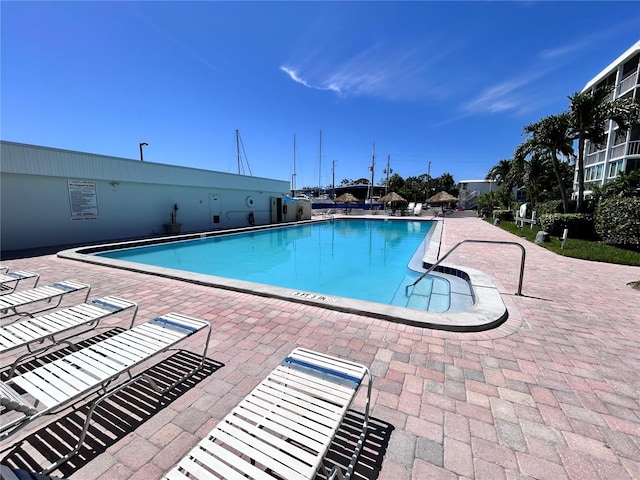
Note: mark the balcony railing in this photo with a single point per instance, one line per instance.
(634, 148)
(617, 151)
(627, 84)
(595, 157)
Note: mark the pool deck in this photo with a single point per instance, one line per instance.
(552, 393)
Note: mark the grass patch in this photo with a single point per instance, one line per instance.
(575, 248)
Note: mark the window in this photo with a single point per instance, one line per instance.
(588, 174)
(593, 173)
(615, 168)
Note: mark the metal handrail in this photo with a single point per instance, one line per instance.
(519, 292)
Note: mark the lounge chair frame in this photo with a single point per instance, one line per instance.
(49, 330)
(12, 303)
(10, 280)
(100, 370)
(285, 426)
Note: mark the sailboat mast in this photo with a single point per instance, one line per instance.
(372, 167)
(320, 164)
(333, 180)
(240, 165)
(293, 177)
(238, 150)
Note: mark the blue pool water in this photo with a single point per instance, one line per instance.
(356, 258)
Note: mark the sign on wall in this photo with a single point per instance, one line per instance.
(83, 200)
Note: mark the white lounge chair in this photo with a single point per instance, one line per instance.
(46, 328)
(285, 426)
(409, 209)
(9, 280)
(93, 370)
(12, 302)
(417, 211)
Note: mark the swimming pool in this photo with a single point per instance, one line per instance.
(481, 306)
(362, 259)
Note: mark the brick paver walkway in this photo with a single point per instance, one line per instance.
(552, 394)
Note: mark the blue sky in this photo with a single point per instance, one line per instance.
(451, 83)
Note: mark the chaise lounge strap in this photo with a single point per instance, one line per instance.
(324, 372)
(109, 305)
(173, 325)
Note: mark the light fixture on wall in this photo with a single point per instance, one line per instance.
(114, 183)
(143, 144)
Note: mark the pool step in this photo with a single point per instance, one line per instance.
(441, 293)
(430, 294)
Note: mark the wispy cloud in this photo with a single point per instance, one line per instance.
(378, 71)
(515, 95)
(296, 78)
(523, 92)
(564, 50)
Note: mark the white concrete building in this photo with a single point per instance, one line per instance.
(620, 152)
(51, 197)
(470, 189)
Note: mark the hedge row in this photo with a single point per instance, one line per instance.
(580, 225)
(555, 206)
(617, 221)
(503, 215)
(546, 208)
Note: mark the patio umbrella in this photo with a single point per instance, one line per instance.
(346, 198)
(393, 197)
(442, 197)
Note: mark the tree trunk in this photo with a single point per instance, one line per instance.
(580, 198)
(563, 189)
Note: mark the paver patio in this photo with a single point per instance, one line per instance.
(554, 393)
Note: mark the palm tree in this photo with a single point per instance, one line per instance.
(549, 138)
(588, 114)
(500, 172)
(534, 172)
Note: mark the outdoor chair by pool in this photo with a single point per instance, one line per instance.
(409, 209)
(97, 371)
(285, 426)
(45, 329)
(51, 295)
(9, 280)
(417, 211)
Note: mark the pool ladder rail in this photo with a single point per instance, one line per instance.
(498, 242)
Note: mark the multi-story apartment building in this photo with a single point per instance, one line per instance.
(620, 152)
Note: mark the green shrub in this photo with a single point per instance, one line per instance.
(555, 206)
(546, 208)
(580, 225)
(503, 215)
(617, 221)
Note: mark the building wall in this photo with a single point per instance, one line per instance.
(619, 153)
(470, 189)
(133, 199)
